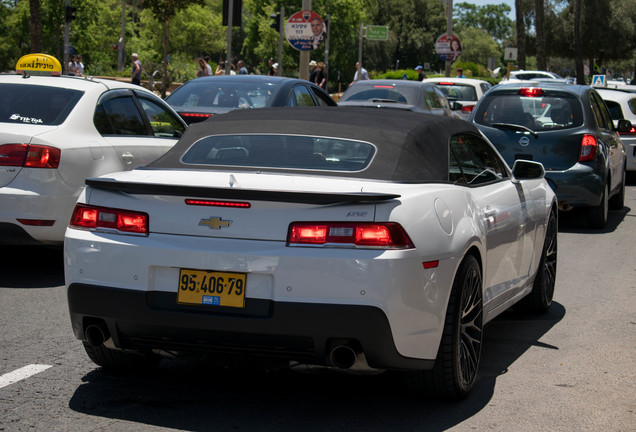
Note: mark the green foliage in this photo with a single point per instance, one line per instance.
(491, 18)
(477, 46)
(398, 75)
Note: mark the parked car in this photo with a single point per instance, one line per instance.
(528, 75)
(57, 130)
(346, 237)
(622, 105)
(567, 128)
(200, 98)
(463, 93)
(398, 94)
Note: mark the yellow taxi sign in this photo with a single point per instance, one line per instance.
(39, 64)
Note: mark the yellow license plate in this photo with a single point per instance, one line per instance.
(203, 287)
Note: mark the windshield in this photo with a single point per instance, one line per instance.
(281, 151)
(38, 105)
(204, 93)
(540, 113)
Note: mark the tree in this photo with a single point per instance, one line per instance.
(164, 11)
(36, 26)
(578, 46)
(539, 24)
(478, 46)
(492, 18)
(521, 34)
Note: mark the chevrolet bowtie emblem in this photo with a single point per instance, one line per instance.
(215, 223)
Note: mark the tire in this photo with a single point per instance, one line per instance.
(115, 360)
(598, 214)
(540, 298)
(457, 362)
(617, 202)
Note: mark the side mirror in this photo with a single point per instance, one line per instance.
(456, 106)
(527, 170)
(624, 126)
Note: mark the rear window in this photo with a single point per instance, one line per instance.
(540, 113)
(458, 91)
(38, 105)
(281, 151)
(381, 93)
(204, 93)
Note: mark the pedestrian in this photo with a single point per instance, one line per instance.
(460, 73)
(275, 69)
(321, 76)
(220, 69)
(72, 66)
(364, 75)
(241, 67)
(79, 66)
(136, 69)
(271, 63)
(420, 73)
(207, 64)
(202, 70)
(312, 71)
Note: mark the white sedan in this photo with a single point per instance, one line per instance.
(55, 131)
(462, 93)
(622, 105)
(343, 237)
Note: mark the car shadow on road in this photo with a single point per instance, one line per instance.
(577, 221)
(31, 267)
(195, 397)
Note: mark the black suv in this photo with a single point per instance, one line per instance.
(569, 130)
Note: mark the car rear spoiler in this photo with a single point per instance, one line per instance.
(241, 194)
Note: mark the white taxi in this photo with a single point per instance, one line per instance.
(55, 131)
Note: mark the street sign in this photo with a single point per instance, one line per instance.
(598, 81)
(305, 30)
(448, 47)
(375, 32)
(510, 54)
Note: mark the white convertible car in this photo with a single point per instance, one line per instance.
(345, 237)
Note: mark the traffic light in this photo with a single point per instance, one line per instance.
(276, 24)
(70, 13)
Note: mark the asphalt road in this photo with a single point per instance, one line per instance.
(572, 369)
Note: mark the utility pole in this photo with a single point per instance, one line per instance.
(449, 31)
(67, 5)
(303, 70)
(121, 46)
(230, 18)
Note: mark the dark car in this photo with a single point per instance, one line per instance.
(198, 99)
(567, 128)
(400, 94)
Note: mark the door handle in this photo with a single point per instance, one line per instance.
(490, 212)
(128, 157)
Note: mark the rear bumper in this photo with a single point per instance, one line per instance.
(579, 186)
(303, 332)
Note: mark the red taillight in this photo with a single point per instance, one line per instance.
(91, 217)
(186, 115)
(368, 234)
(214, 203)
(531, 91)
(468, 108)
(384, 86)
(588, 148)
(446, 83)
(632, 131)
(30, 156)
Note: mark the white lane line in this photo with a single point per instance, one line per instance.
(22, 373)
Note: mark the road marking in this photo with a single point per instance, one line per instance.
(22, 373)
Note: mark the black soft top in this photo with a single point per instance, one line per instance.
(411, 147)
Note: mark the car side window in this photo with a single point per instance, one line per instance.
(607, 117)
(322, 99)
(163, 123)
(300, 97)
(474, 162)
(119, 116)
(431, 98)
(443, 101)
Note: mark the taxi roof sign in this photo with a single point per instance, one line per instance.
(39, 64)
